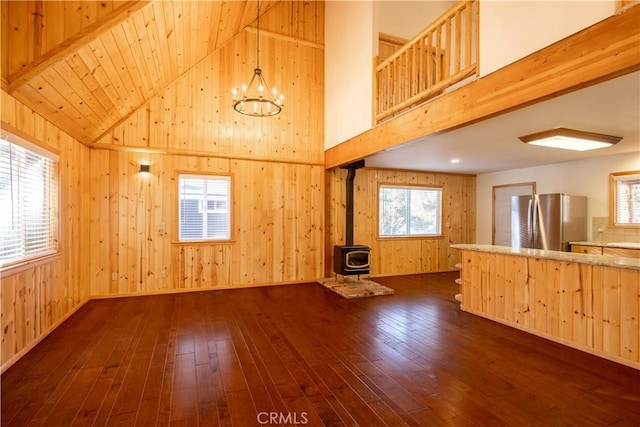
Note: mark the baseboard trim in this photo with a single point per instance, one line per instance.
(207, 289)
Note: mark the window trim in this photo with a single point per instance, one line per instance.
(176, 241)
(17, 137)
(612, 199)
(410, 187)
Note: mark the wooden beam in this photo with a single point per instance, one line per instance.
(601, 52)
(285, 38)
(59, 52)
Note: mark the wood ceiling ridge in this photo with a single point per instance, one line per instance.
(18, 78)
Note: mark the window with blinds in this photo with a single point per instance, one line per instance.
(625, 198)
(29, 201)
(205, 207)
(409, 211)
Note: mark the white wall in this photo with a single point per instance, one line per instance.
(581, 178)
(348, 74)
(510, 30)
(405, 19)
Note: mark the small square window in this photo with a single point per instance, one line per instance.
(204, 207)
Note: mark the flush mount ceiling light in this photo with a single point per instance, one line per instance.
(570, 139)
(256, 98)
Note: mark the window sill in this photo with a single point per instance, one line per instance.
(203, 242)
(434, 237)
(15, 268)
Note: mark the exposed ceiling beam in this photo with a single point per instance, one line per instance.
(601, 52)
(59, 52)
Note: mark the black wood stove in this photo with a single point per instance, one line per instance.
(350, 259)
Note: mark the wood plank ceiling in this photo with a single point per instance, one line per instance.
(86, 65)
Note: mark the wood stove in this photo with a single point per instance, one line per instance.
(350, 259)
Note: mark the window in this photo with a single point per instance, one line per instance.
(28, 201)
(409, 211)
(624, 194)
(205, 212)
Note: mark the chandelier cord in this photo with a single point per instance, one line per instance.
(258, 34)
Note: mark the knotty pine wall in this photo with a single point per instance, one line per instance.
(276, 164)
(276, 225)
(36, 297)
(402, 255)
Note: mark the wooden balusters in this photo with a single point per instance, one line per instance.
(441, 55)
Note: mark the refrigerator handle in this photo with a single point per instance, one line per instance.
(530, 224)
(534, 222)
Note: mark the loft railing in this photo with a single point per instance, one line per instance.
(440, 56)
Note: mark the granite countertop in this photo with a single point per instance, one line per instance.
(624, 245)
(604, 260)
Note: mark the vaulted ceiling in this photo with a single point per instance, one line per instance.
(86, 65)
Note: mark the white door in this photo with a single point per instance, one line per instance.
(502, 209)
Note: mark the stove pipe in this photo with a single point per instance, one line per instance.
(351, 175)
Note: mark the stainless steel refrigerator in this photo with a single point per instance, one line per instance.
(548, 221)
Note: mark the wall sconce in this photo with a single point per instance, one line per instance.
(144, 168)
(570, 139)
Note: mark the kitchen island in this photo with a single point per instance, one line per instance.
(589, 302)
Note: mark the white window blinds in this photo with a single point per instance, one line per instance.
(627, 199)
(205, 207)
(28, 201)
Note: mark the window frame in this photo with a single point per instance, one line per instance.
(439, 188)
(231, 208)
(613, 177)
(18, 138)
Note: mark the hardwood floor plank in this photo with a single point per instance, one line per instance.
(302, 352)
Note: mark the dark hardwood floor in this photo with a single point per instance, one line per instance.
(301, 355)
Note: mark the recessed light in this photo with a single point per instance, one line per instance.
(455, 160)
(570, 139)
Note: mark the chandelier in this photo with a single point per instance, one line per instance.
(256, 99)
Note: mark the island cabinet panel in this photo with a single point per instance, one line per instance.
(591, 307)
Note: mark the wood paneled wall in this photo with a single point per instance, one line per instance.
(276, 166)
(36, 298)
(277, 225)
(590, 307)
(406, 255)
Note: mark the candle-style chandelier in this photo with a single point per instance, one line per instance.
(256, 99)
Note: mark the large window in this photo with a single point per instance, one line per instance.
(624, 193)
(409, 211)
(205, 207)
(28, 201)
